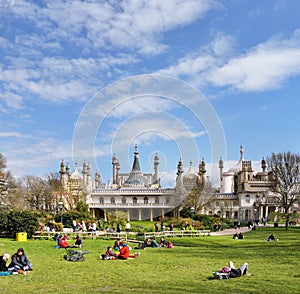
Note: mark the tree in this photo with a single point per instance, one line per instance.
(285, 171)
(200, 196)
(2, 162)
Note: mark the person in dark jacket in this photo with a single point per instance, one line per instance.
(3, 268)
(78, 242)
(20, 261)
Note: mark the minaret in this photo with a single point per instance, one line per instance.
(221, 166)
(264, 176)
(179, 179)
(118, 173)
(84, 172)
(114, 163)
(156, 163)
(263, 165)
(68, 170)
(88, 175)
(202, 171)
(62, 174)
(97, 180)
(179, 168)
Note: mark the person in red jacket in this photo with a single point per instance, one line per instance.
(63, 243)
(124, 252)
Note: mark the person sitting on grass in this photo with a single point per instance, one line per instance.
(151, 243)
(170, 244)
(124, 252)
(3, 268)
(117, 244)
(78, 242)
(235, 236)
(271, 238)
(241, 236)
(20, 262)
(63, 243)
(109, 254)
(163, 242)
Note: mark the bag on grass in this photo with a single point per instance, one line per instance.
(220, 276)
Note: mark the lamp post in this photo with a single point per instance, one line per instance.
(192, 213)
(61, 206)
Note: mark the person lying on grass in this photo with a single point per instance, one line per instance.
(231, 271)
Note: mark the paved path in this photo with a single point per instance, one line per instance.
(230, 231)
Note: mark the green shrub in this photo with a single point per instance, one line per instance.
(14, 222)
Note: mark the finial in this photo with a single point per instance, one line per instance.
(241, 151)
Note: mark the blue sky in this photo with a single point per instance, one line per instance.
(59, 57)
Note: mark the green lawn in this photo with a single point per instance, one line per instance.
(186, 268)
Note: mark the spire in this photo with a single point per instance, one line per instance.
(136, 164)
(221, 163)
(202, 169)
(136, 177)
(241, 152)
(62, 167)
(156, 163)
(114, 162)
(221, 166)
(263, 165)
(68, 170)
(179, 168)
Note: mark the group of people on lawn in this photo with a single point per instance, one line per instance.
(62, 241)
(19, 264)
(124, 248)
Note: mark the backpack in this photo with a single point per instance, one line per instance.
(220, 276)
(75, 255)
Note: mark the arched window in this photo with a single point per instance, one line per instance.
(168, 200)
(123, 200)
(101, 200)
(145, 200)
(236, 215)
(134, 200)
(112, 200)
(156, 200)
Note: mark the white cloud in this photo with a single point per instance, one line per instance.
(35, 62)
(264, 67)
(37, 155)
(13, 134)
(134, 25)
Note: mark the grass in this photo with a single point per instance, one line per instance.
(186, 268)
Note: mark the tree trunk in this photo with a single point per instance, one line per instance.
(286, 223)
